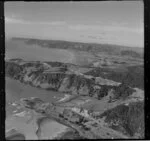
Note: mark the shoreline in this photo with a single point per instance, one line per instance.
(43, 121)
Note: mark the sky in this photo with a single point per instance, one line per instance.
(111, 22)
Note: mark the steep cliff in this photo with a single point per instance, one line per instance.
(56, 76)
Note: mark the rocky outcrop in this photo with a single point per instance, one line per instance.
(56, 76)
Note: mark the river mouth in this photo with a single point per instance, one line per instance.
(25, 120)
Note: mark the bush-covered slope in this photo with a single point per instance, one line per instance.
(130, 118)
(134, 76)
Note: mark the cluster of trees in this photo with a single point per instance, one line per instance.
(131, 117)
(13, 70)
(122, 91)
(131, 53)
(103, 91)
(134, 76)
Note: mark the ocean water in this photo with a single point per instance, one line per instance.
(18, 49)
(16, 90)
(25, 121)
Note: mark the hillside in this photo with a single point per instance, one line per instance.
(57, 76)
(134, 76)
(89, 99)
(128, 118)
(92, 47)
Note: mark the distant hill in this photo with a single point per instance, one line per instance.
(131, 53)
(92, 47)
(134, 76)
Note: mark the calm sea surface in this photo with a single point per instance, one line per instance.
(26, 121)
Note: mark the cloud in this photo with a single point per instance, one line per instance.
(13, 20)
(112, 27)
(53, 23)
(78, 27)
